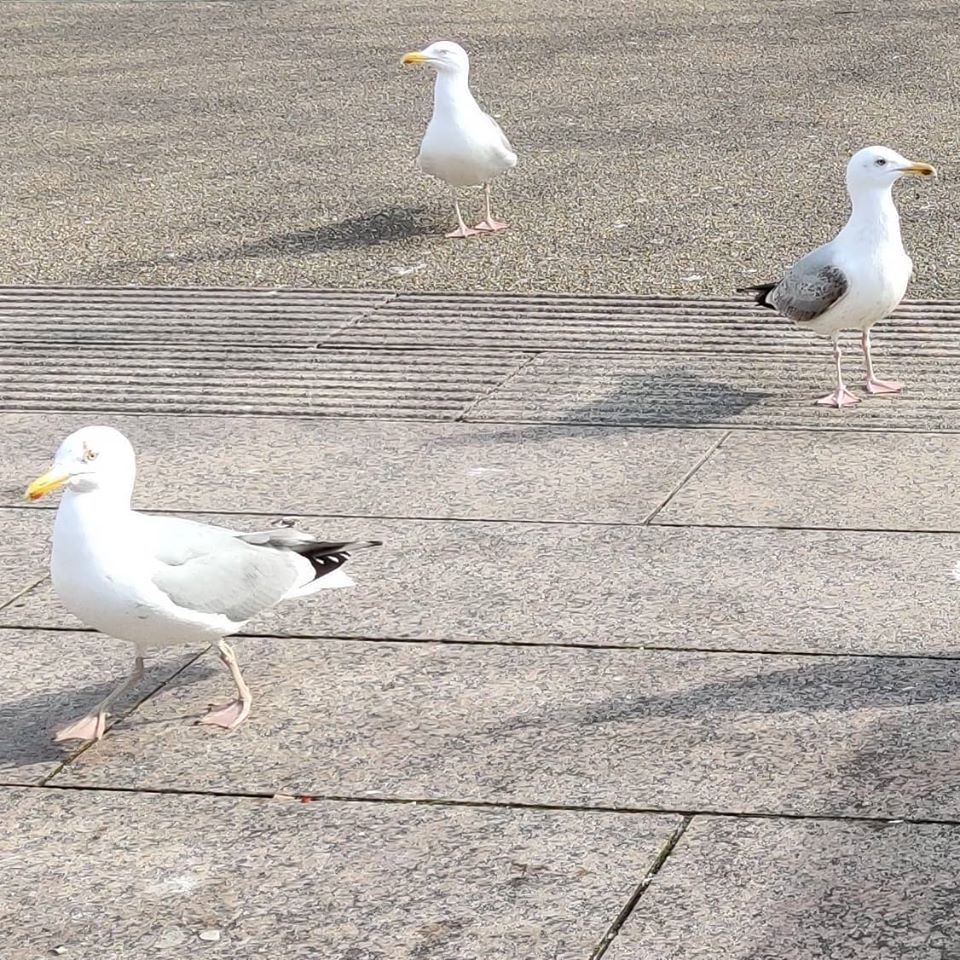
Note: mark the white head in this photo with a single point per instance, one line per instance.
(93, 458)
(879, 168)
(445, 56)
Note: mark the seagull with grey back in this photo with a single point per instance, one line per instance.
(463, 146)
(161, 581)
(861, 275)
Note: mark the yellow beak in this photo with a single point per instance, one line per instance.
(920, 169)
(49, 481)
(412, 58)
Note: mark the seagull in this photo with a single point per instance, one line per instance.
(463, 146)
(161, 581)
(858, 277)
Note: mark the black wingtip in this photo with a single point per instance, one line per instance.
(760, 293)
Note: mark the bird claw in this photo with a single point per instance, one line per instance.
(491, 225)
(461, 233)
(841, 397)
(90, 727)
(229, 715)
(883, 386)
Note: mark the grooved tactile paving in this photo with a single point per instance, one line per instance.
(560, 359)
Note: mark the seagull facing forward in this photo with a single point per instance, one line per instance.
(463, 146)
(161, 581)
(858, 277)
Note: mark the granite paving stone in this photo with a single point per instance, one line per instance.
(745, 889)
(49, 678)
(94, 875)
(896, 481)
(604, 585)
(379, 468)
(557, 725)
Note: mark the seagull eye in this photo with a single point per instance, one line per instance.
(880, 162)
(89, 455)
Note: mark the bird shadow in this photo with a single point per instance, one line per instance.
(667, 398)
(28, 724)
(378, 228)
(678, 398)
(901, 720)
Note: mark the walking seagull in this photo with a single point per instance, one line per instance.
(858, 277)
(463, 146)
(161, 581)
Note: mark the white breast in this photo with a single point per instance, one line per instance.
(106, 585)
(464, 153)
(875, 285)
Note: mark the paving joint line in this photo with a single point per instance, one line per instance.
(687, 477)
(829, 430)
(630, 905)
(470, 407)
(418, 518)
(539, 644)
(832, 431)
(353, 322)
(374, 799)
(23, 592)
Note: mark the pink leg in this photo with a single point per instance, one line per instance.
(93, 725)
(841, 397)
(462, 231)
(230, 715)
(490, 225)
(873, 384)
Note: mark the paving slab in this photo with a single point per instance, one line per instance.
(599, 585)
(555, 725)
(49, 678)
(748, 889)
(376, 468)
(161, 876)
(894, 481)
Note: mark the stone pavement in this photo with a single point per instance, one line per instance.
(686, 147)
(657, 661)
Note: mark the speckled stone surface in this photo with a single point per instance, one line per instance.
(897, 481)
(24, 549)
(89, 876)
(681, 731)
(50, 678)
(768, 889)
(687, 146)
(660, 586)
(380, 468)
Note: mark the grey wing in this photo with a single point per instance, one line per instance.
(212, 570)
(809, 288)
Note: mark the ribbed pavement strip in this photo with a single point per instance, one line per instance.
(648, 324)
(593, 360)
(251, 318)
